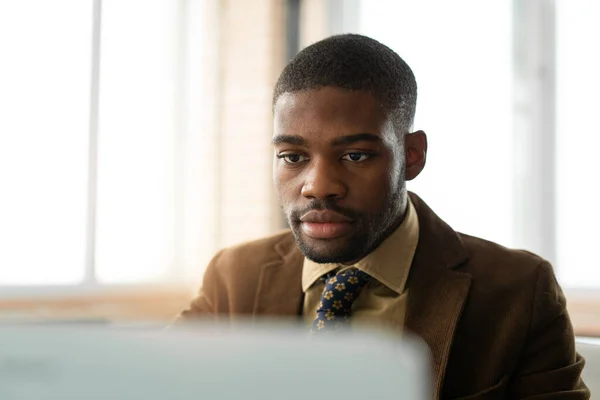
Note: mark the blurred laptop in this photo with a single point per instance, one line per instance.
(206, 362)
(589, 348)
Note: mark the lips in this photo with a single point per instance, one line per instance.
(325, 224)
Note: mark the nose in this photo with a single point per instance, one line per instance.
(323, 182)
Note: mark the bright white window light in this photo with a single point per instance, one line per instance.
(137, 138)
(460, 52)
(45, 47)
(578, 85)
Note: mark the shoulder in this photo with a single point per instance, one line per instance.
(254, 254)
(495, 265)
(516, 287)
(231, 279)
(261, 250)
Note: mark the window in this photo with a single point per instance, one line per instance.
(138, 141)
(463, 70)
(91, 146)
(578, 84)
(45, 79)
(505, 162)
(135, 140)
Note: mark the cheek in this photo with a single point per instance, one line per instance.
(388, 177)
(370, 190)
(396, 168)
(276, 177)
(396, 177)
(397, 163)
(284, 185)
(280, 180)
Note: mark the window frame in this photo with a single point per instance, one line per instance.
(89, 284)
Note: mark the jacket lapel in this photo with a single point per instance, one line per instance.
(434, 307)
(280, 283)
(436, 292)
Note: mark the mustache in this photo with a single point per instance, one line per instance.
(322, 205)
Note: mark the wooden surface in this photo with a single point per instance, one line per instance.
(137, 305)
(584, 309)
(164, 304)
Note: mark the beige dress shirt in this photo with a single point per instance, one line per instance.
(382, 303)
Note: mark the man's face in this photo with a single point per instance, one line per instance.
(339, 172)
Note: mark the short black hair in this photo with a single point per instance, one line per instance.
(355, 62)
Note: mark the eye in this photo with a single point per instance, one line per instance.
(292, 158)
(356, 157)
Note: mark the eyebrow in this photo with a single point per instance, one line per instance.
(290, 139)
(358, 137)
(340, 141)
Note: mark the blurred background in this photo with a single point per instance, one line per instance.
(135, 137)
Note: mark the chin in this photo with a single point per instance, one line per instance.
(327, 251)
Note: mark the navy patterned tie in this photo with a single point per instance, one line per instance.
(341, 290)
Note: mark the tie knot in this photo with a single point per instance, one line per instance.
(341, 290)
(350, 276)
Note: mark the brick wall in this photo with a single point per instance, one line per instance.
(252, 56)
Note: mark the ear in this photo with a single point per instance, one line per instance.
(415, 153)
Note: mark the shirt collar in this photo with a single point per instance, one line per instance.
(389, 263)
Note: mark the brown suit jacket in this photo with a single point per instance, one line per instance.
(494, 318)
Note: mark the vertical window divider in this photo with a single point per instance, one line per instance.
(177, 271)
(90, 267)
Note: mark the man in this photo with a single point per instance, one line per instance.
(363, 250)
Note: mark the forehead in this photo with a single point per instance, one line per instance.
(329, 111)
